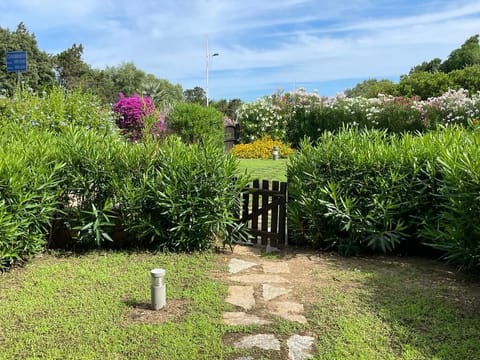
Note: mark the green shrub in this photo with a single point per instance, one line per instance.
(69, 179)
(455, 228)
(424, 84)
(95, 165)
(353, 191)
(193, 123)
(87, 189)
(186, 197)
(294, 116)
(29, 191)
(56, 109)
(398, 116)
(365, 190)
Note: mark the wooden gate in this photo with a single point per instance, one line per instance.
(264, 212)
(232, 133)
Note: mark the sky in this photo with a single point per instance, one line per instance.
(264, 46)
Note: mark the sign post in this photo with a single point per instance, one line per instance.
(17, 62)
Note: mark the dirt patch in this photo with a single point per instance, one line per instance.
(142, 313)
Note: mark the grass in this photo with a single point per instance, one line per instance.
(265, 169)
(84, 307)
(397, 309)
(90, 306)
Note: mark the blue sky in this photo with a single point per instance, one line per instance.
(263, 45)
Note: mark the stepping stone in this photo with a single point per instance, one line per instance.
(275, 268)
(241, 296)
(259, 278)
(288, 310)
(245, 358)
(241, 318)
(270, 292)
(300, 347)
(261, 341)
(237, 265)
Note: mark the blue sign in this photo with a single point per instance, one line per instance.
(16, 61)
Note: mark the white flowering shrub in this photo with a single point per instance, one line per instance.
(453, 107)
(261, 118)
(271, 115)
(294, 115)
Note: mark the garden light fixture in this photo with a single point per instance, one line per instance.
(158, 289)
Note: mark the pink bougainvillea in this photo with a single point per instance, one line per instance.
(132, 114)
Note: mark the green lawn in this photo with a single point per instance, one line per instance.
(84, 307)
(265, 169)
(93, 306)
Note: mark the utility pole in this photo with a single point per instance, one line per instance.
(207, 56)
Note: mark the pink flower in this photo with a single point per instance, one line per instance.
(131, 113)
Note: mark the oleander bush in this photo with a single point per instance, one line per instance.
(365, 190)
(29, 191)
(186, 198)
(452, 225)
(79, 186)
(261, 149)
(95, 164)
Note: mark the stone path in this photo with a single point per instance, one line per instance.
(262, 286)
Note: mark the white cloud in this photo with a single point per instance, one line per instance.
(290, 40)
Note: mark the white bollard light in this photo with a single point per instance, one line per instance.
(275, 153)
(158, 289)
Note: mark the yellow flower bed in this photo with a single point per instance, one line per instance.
(261, 149)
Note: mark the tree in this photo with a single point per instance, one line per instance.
(228, 108)
(372, 87)
(70, 67)
(196, 95)
(39, 74)
(98, 82)
(431, 66)
(424, 84)
(467, 78)
(468, 54)
(221, 105)
(125, 78)
(233, 105)
(163, 93)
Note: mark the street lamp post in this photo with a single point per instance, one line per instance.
(207, 56)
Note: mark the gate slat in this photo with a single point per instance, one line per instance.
(255, 196)
(264, 212)
(282, 220)
(245, 202)
(274, 219)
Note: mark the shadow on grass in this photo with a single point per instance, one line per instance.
(398, 308)
(141, 312)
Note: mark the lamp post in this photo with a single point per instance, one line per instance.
(207, 56)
